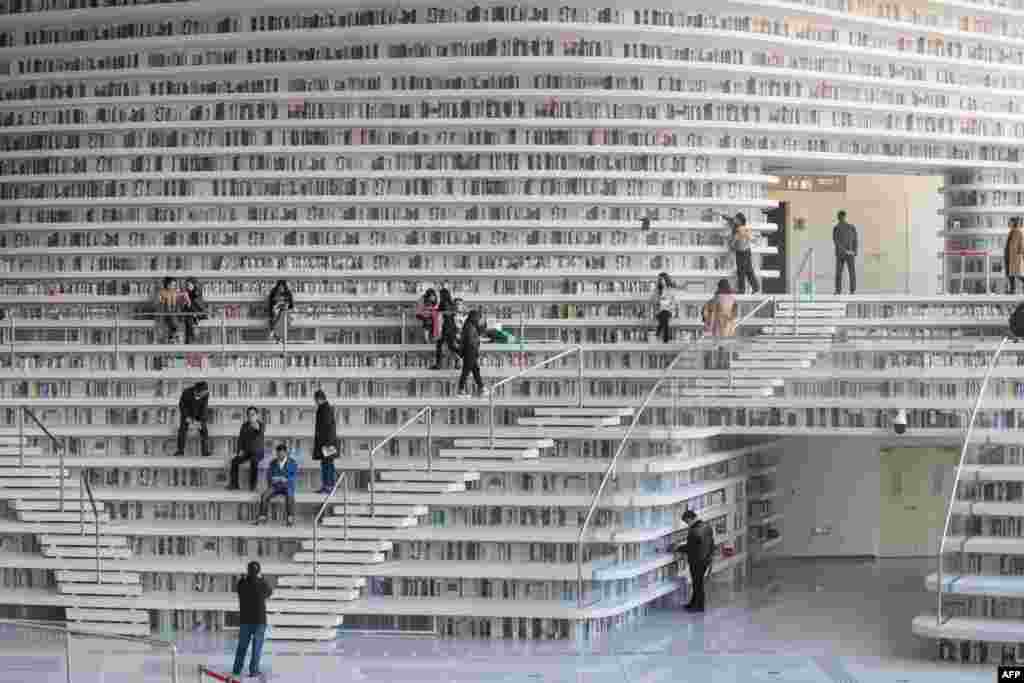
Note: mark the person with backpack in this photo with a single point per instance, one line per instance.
(248, 448)
(700, 545)
(449, 312)
(844, 236)
(1013, 256)
(426, 315)
(253, 593)
(325, 442)
(193, 410)
(472, 330)
(719, 315)
(279, 302)
(740, 242)
(664, 303)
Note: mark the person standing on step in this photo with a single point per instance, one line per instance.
(167, 312)
(281, 477)
(472, 330)
(193, 410)
(248, 448)
(844, 236)
(1013, 256)
(253, 593)
(279, 302)
(325, 442)
(664, 303)
(426, 315)
(449, 311)
(719, 315)
(740, 242)
(194, 309)
(700, 544)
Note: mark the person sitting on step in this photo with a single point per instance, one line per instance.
(281, 477)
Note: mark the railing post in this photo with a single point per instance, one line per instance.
(373, 478)
(344, 508)
(117, 337)
(490, 421)
(316, 554)
(60, 464)
(174, 663)
(284, 333)
(21, 437)
(81, 501)
(223, 341)
(14, 329)
(403, 338)
(579, 377)
(430, 440)
(67, 654)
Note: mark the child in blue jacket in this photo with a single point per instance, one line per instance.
(281, 477)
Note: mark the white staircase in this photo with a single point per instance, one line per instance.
(42, 477)
(781, 348)
(297, 611)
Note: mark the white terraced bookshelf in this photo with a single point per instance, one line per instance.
(543, 161)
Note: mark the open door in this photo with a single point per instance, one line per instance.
(776, 239)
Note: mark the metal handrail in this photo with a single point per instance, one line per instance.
(316, 525)
(610, 470)
(426, 410)
(68, 632)
(795, 286)
(58, 445)
(959, 468)
(83, 480)
(576, 348)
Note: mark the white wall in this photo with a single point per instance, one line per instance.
(826, 481)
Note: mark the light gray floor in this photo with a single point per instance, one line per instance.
(798, 621)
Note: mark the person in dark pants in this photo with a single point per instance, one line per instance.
(1013, 256)
(194, 308)
(739, 242)
(281, 477)
(470, 344)
(248, 448)
(253, 592)
(279, 302)
(700, 544)
(193, 409)
(664, 302)
(325, 442)
(844, 236)
(448, 309)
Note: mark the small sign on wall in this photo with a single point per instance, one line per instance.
(809, 183)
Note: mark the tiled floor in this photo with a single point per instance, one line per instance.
(799, 621)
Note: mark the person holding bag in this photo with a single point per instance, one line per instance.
(325, 442)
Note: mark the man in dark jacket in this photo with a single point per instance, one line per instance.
(700, 544)
(193, 409)
(844, 236)
(253, 592)
(249, 448)
(325, 442)
(470, 347)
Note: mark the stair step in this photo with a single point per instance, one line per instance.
(32, 472)
(363, 509)
(100, 589)
(740, 381)
(301, 634)
(124, 616)
(802, 330)
(569, 421)
(488, 454)
(9, 449)
(503, 443)
(351, 582)
(111, 629)
(765, 366)
(81, 576)
(52, 505)
(307, 620)
(430, 476)
(80, 540)
(418, 487)
(350, 546)
(810, 305)
(89, 552)
(725, 393)
(584, 412)
(35, 482)
(302, 595)
(368, 522)
(71, 517)
(340, 557)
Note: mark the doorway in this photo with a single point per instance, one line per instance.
(777, 239)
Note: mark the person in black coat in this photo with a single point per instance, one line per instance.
(700, 544)
(325, 442)
(279, 302)
(253, 592)
(194, 308)
(193, 409)
(470, 345)
(447, 309)
(248, 448)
